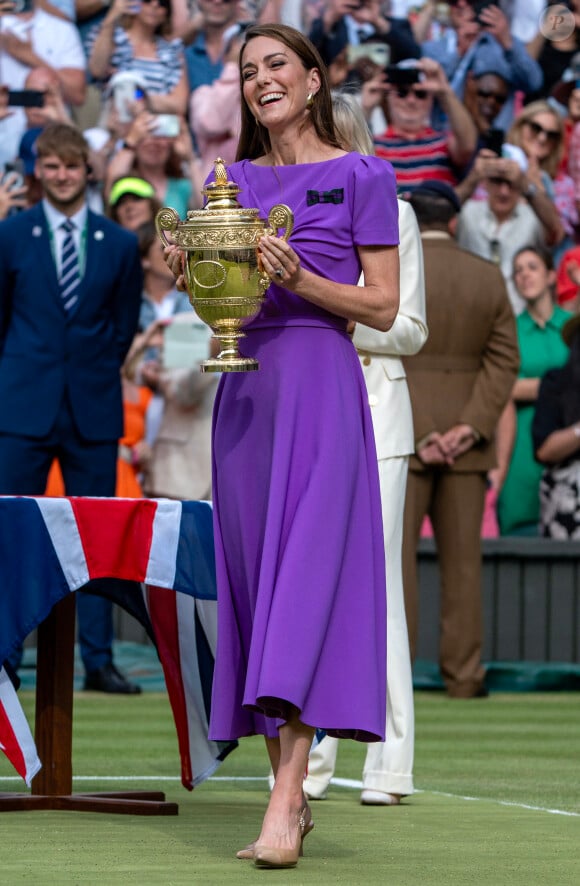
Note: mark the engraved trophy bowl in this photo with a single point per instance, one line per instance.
(223, 275)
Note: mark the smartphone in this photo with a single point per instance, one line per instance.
(493, 140)
(379, 53)
(26, 98)
(12, 178)
(479, 6)
(167, 125)
(403, 76)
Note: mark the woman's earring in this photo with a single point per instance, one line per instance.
(309, 100)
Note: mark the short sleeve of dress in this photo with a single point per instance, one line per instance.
(375, 219)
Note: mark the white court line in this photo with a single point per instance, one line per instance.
(339, 782)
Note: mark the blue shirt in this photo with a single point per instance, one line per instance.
(201, 71)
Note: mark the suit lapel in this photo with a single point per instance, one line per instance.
(43, 257)
(95, 252)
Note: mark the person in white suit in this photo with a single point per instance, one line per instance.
(388, 769)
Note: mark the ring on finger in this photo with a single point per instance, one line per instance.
(279, 272)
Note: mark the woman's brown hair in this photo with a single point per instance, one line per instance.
(254, 138)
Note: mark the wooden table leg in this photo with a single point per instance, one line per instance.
(52, 787)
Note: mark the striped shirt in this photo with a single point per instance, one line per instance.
(160, 75)
(424, 159)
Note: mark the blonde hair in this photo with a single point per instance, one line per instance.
(551, 163)
(350, 124)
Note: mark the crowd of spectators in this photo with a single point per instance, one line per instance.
(478, 95)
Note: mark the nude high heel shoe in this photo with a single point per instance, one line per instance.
(269, 857)
(247, 853)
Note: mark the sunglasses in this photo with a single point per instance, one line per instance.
(552, 135)
(403, 92)
(499, 97)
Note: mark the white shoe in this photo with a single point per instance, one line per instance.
(313, 793)
(379, 798)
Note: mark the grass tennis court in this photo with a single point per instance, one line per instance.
(499, 803)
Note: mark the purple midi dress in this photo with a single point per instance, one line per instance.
(297, 514)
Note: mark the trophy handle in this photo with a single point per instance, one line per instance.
(166, 219)
(281, 216)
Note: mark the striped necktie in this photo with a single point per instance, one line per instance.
(70, 278)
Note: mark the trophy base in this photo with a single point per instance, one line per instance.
(237, 364)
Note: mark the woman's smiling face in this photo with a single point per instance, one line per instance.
(275, 83)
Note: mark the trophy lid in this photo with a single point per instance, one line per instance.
(221, 193)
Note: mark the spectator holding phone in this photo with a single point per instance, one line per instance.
(167, 162)
(539, 131)
(417, 152)
(31, 39)
(554, 56)
(13, 193)
(513, 215)
(135, 35)
(480, 35)
(346, 23)
(486, 93)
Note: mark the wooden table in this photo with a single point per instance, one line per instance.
(52, 787)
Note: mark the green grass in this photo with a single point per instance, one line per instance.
(520, 749)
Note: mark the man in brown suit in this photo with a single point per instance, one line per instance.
(459, 384)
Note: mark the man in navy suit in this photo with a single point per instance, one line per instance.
(70, 290)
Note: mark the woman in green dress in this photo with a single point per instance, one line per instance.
(541, 348)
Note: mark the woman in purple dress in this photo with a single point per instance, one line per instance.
(298, 534)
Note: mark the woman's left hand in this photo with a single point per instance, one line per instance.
(279, 261)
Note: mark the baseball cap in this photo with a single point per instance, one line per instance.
(27, 149)
(439, 189)
(138, 187)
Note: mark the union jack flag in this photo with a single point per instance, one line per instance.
(160, 554)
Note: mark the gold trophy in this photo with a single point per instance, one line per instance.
(224, 277)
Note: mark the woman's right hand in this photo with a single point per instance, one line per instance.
(120, 8)
(140, 128)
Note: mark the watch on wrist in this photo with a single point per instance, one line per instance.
(530, 191)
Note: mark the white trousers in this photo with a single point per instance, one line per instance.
(389, 764)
